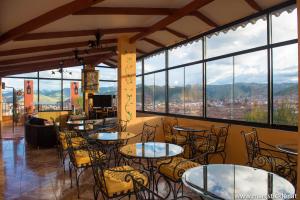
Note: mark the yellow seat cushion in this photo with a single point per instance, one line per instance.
(167, 167)
(82, 157)
(175, 139)
(116, 183)
(76, 141)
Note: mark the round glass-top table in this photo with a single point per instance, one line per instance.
(226, 181)
(112, 136)
(151, 150)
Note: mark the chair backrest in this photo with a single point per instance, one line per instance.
(98, 166)
(148, 133)
(70, 147)
(221, 133)
(168, 124)
(122, 125)
(252, 144)
(141, 191)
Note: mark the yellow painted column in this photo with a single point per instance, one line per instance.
(298, 170)
(126, 79)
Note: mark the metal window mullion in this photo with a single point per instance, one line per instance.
(204, 78)
(184, 90)
(167, 82)
(38, 90)
(154, 92)
(143, 85)
(270, 69)
(233, 80)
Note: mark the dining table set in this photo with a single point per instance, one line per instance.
(208, 181)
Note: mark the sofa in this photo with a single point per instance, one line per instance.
(38, 134)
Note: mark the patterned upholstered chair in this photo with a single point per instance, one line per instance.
(148, 133)
(265, 156)
(170, 134)
(172, 169)
(113, 182)
(79, 156)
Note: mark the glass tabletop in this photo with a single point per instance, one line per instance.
(151, 150)
(190, 129)
(288, 148)
(228, 181)
(112, 136)
(86, 127)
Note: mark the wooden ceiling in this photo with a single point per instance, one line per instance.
(38, 35)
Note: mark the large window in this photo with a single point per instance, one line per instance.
(285, 85)
(50, 95)
(57, 89)
(249, 72)
(108, 88)
(219, 88)
(139, 90)
(186, 53)
(155, 62)
(237, 39)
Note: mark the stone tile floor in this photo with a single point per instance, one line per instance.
(28, 173)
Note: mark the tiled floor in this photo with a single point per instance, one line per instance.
(28, 173)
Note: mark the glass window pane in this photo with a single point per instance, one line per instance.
(72, 95)
(149, 92)
(251, 87)
(219, 90)
(139, 67)
(29, 75)
(55, 73)
(284, 25)
(108, 73)
(72, 72)
(285, 85)
(139, 93)
(155, 62)
(186, 53)
(160, 92)
(108, 88)
(250, 36)
(50, 95)
(193, 99)
(176, 91)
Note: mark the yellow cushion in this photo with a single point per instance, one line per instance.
(76, 141)
(167, 168)
(82, 157)
(175, 139)
(116, 183)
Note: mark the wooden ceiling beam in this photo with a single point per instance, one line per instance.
(205, 19)
(140, 11)
(52, 47)
(153, 42)
(46, 18)
(63, 34)
(103, 58)
(109, 64)
(23, 68)
(194, 5)
(254, 5)
(140, 51)
(125, 11)
(176, 33)
(56, 55)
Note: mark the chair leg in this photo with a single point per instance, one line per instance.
(77, 182)
(70, 173)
